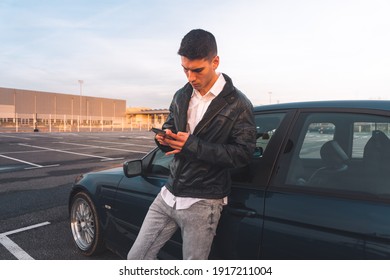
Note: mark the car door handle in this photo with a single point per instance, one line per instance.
(242, 212)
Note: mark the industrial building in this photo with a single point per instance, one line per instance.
(48, 111)
(146, 118)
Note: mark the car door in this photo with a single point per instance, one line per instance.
(240, 228)
(134, 196)
(323, 201)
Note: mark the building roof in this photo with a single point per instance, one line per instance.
(146, 111)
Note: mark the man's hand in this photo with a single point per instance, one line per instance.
(175, 141)
(161, 138)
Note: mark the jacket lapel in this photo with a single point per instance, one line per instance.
(182, 108)
(225, 97)
(214, 108)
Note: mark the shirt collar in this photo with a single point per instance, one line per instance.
(216, 89)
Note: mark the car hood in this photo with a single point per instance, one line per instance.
(116, 170)
(108, 178)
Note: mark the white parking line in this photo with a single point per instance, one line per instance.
(14, 248)
(126, 144)
(102, 147)
(11, 136)
(26, 162)
(45, 166)
(29, 163)
(68, 152)
(46, 135)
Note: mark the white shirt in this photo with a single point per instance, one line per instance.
(197, 108)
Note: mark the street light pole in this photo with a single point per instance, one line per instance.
(81, 94)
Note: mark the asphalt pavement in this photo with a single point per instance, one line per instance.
(36, 174)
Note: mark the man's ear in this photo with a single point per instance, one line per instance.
(215, 62)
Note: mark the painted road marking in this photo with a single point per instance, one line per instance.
(19, 160)
(46, 135)
(68, 152)
(14, 248)
(29, 163)
(3, 168)
(102, 147)
(45, 166)
(126, 144)
(11, 136)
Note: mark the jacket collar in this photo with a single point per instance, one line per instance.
(226, 97)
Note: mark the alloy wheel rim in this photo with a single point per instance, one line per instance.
(82, 224)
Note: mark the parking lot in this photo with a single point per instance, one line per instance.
(36, 174)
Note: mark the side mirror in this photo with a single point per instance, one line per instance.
(132, 168)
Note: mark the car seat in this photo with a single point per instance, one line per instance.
(335, 164)
(376, 159)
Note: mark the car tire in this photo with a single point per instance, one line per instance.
(84, 224)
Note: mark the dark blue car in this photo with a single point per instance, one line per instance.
(305, 195)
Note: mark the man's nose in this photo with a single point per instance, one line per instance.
(191, 76)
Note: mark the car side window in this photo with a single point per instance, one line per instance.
(266, 127)
(342, 152)
(364, 131)
(317, 133)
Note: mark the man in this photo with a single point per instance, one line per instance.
(210, 129)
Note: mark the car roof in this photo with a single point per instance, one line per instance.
(348, 104)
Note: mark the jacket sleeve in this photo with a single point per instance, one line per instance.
(237, 152)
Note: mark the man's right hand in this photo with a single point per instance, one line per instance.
(161, 138)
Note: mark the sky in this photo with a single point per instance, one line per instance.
(275, 51)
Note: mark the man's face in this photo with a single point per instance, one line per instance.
(200, 72)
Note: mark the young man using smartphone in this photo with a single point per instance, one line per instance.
(210, 129)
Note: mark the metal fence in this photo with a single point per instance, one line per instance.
(66, 123)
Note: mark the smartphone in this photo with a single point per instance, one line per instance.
(158, 131)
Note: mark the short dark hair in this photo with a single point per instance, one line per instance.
(198, 44)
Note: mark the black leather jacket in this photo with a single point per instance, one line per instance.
(225, 138)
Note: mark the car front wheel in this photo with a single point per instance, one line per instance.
(85, 225)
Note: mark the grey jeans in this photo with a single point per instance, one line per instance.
(198, 226)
